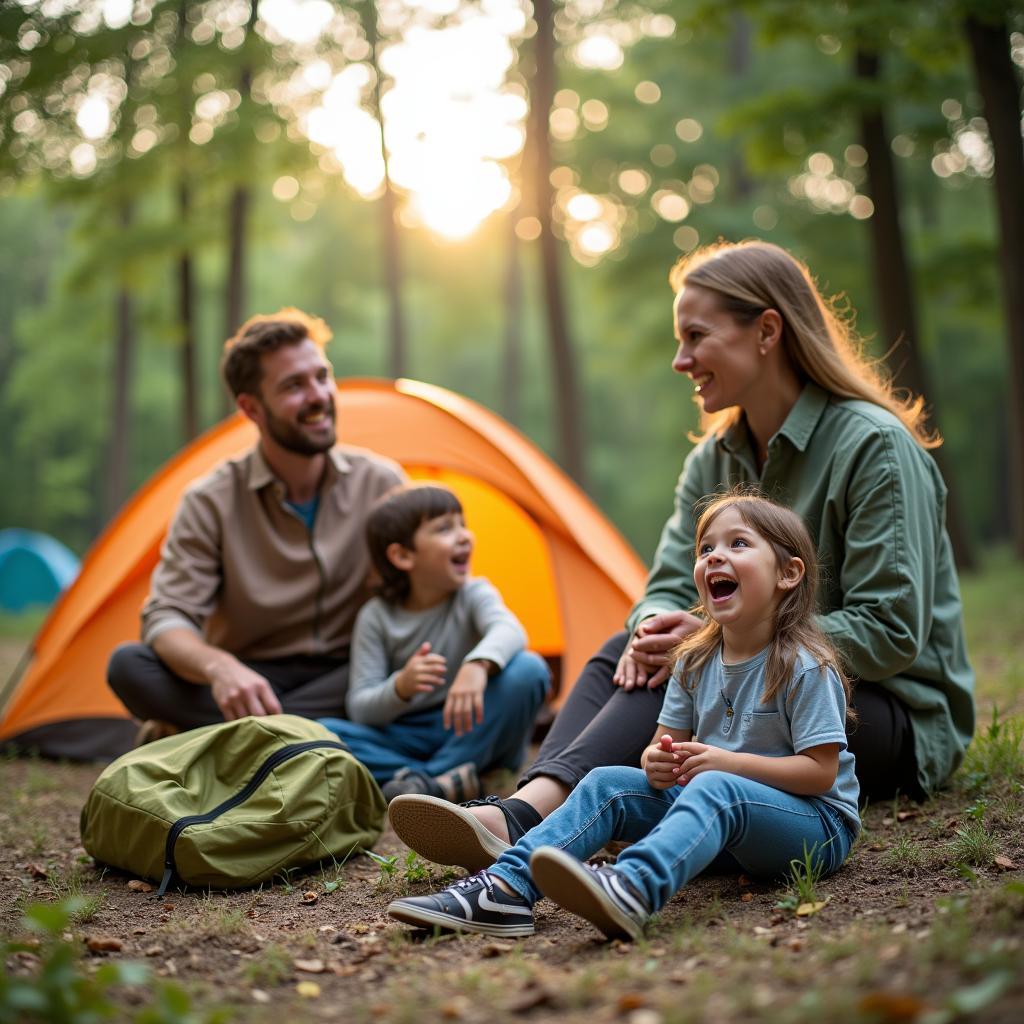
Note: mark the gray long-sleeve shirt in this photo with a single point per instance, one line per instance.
(471, 625)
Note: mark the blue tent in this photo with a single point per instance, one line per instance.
(34, 569)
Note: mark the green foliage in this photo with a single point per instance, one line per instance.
(61, 992)
(995, 760)
(802, 883)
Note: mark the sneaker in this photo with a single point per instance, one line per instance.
(599, 894)
(408, 780)
(443, 832)
(473, 904)
(460, 783)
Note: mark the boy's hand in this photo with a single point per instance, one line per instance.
(464, 707)
(663, 763)
(423, 672)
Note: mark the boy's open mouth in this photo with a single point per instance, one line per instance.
(721, 587)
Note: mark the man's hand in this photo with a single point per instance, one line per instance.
(239, 691)
(646, 658)
(663, 762)
(464, 707)
(422, 673)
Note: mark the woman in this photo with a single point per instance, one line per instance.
(788, 403)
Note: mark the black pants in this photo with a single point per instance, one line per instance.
(313, 687)
(602, 724)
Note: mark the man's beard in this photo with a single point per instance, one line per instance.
(291, 437)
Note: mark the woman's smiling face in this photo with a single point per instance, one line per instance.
(721, 355)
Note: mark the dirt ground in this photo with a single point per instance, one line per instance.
(925, 922)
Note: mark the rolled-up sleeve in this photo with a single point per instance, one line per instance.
(185, 584)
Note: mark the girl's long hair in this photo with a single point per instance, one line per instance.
(753, 276)
(794, 626)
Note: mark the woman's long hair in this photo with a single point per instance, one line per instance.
(753, 276)
(794, 627)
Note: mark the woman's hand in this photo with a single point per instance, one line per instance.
(646, 658)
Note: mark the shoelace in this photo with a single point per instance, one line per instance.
(470, 880)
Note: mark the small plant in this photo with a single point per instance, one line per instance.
(271, 967)
(802, 886)
(387, 866)
(973, 845)
(904, 857)
(67, 889)
(415, 869)
(996, 757)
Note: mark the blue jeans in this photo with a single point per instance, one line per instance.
(420, 741)
(678, 832)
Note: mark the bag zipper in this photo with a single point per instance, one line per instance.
(233, 801)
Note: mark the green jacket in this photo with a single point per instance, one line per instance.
(874, 502)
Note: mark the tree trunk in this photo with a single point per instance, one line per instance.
(118, 450)
(566, 397)
(390, 241)
(1000, 86)
(894, 287)
(238, 215)
(512, 355)
(186, 322)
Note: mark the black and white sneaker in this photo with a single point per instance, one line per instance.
(599, 894)
(473, 904)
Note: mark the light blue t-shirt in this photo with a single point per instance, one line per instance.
(724, 710)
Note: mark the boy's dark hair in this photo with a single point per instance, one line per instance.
(394, 520)
(240, 366)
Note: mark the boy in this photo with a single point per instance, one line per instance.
(441, 687)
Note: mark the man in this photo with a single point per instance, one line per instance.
(264, 567)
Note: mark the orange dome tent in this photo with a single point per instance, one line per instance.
(563, 569)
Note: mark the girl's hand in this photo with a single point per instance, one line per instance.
(663, 762)
(702, 757)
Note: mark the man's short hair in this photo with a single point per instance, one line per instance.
(240, 366)
(394, 519)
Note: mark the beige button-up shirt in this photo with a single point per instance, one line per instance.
(241, 568)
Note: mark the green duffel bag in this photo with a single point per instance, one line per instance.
(233, 804)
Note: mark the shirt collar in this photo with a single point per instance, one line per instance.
(260, 473)
(798, 426)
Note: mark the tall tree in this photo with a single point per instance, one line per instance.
(1000, 86)
(567, 402)
(893, 280)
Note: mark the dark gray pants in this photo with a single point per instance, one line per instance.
(601, 724)
(313, 687)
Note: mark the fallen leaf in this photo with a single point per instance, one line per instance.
(906, 815)
(137, 885)
(170, 967)
(308, 989)
(309, 896)
(325, 929)
(168, 906)
(455, 1008)
(103, 943)
(138, 931)
(309, 966)
(1005, 863)
(38, 871)
(746, 897)
(530, 998)
(493, 949)
(743, 881)
(360, 928)
(760, 930)
(631, 1001)
(806, 909)
(154, 951)
(893, 1006)
(888, 821)
(795, 944)
(259, 996)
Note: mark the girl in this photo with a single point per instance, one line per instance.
(791, 405)
(749, 756)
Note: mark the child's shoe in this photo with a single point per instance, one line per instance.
(445, 833)
(599, 894)
(472, 904)
(457, 784)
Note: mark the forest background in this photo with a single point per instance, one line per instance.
(169, 167)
